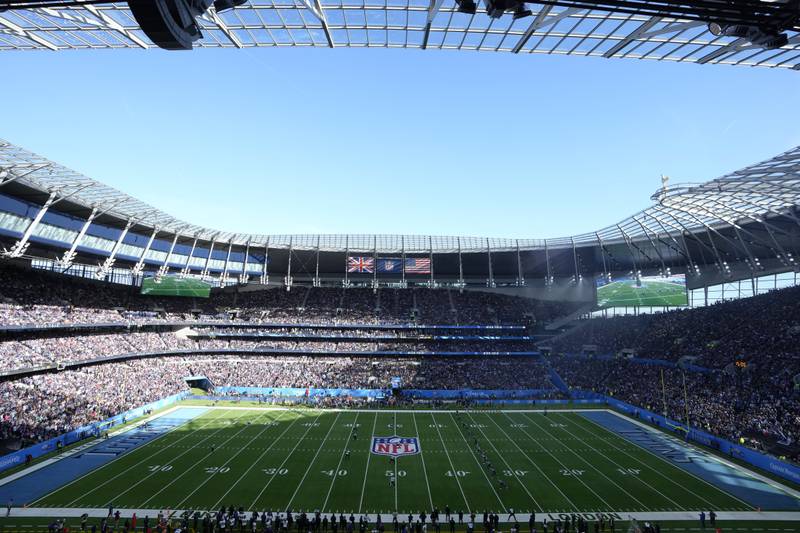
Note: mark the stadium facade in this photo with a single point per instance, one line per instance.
(739, 226)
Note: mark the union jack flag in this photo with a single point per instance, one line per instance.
(418, 266)
(361, 264)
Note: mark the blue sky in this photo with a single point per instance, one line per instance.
(393, 141)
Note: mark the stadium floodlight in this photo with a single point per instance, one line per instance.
(466, 6)
(521, 11)
(496, 8)
(170, 24)
(768, 39)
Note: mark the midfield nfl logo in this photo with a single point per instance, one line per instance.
(395, 446)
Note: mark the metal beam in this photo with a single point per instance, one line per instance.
(632, 36)
(541, 21)
(19, 31)
(433, 10)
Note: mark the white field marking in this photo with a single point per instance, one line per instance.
(582, 482)
(643, 482)
(339, 466)
(396, 479)
(502, 457)
(231, 458)
(422, 456)
(257, 460)
(452, 467)
(138, 463)
(90, 443)
(673, 466)
(623, 516)
(589, 464)
(186, 470)
(313, 460)
(366, 470)
(535, 465)
(436, 411)
(739, 468)
(268, 483)
(477, 463)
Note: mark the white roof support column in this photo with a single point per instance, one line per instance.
(403, 257)
(520, 277)
(575, 260)
(288, 279)
(430, 256)
(316, 8)
(265, 270)
(186, 269)
(316, 282)
(204, 273)
(460, 267)
(108, 264)
(224, 278)
(692, 265)
(21, 246)
(164, 268)
(244, 277)
(69, 256)
(433, 10)
(375, 262)
(548, 281)
(628, 243)
(490, 281)
(653, 244)
(139, 266)
(603, 256)
(346, 261)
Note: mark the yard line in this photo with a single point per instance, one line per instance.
(338, 466)
(452, 468)
(396, 479)
(366, 470)
(311, 463)
(125, 471)
(512, 470)
(488, 481)
(673, 466)
(579, 426)
(258, 459)
(231, 458)
(173, 480)
(266, 486)
(562, 464)
(138, 463)
(555, 486)
(589, 464)
(422, 456)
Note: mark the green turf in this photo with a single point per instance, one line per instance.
(176, 286)
(279, 459)
(624, 293)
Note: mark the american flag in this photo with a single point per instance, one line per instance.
(418, 266)
(361, 264)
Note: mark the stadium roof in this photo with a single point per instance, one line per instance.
(749, 196)
(431, 24)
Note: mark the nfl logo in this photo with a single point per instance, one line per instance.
(395, 446)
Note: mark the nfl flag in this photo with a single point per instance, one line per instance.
(361, 264)
(391, 265)
(416, 265)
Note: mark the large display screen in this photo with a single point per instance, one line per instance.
(175, 286)
(656, 291)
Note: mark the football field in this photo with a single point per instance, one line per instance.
(280, 459)
(656, 293)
